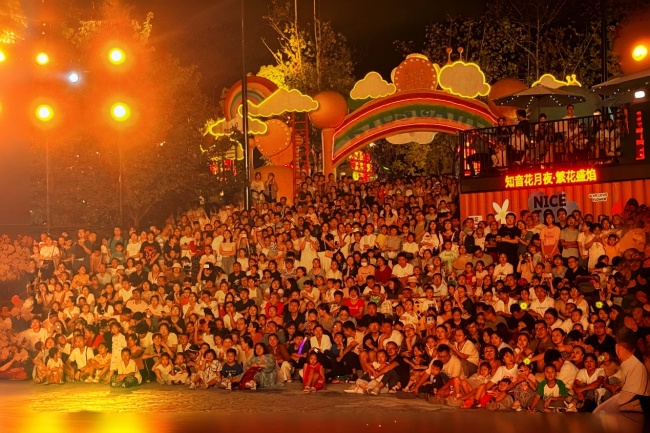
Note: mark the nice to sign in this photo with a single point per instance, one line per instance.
(538, 201)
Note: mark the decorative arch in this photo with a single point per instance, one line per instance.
(410, 111)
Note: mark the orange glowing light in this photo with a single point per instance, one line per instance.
(42, 59)
(3, 56)
(639, 52)
(551, 178)
(44, 113)
(120, 111)
(116, 56)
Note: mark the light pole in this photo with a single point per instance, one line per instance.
(244, 94)
(45, 113)
(120, 112)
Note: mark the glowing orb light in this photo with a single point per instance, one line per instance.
(639, 52)
(42, 59)
(116, 56)
(120, 111)
(73, 77)
(44, 113)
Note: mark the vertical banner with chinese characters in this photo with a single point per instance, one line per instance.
(361, 166)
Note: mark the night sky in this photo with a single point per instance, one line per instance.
(208, 32)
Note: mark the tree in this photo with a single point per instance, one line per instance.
(13, 22)
(306, 60)
(528, 38)
(161, 159)
(393, 161)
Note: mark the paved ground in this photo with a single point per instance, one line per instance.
(28, 408)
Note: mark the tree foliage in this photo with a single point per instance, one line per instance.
(161, 159)
(306, 60)
(393, 161)
(13, 22)
(527, 38)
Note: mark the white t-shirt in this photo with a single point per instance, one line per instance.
(34, 337)
(325, 343)
(401, 272)
(470, 349)
(584, 378)
(81, 356)
(453, 368)
(540, 307)
(567, 374)
(503, 373)
(131, 367)
(133, 249)
(396, 337)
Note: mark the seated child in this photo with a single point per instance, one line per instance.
(418, 366)
(179, 374)
(163, 368)
(551, 392)
(231, 371)
(127, 373)
(500, 399)
(100, 365)
(469, 386)
(208, 371)
(368, 382)
(524, 387)
(313, 374)
(54, 370)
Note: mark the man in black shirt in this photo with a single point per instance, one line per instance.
(575, 270)
(508, 239)
(139, 276)
(371, 314)
(234, 278)
(244, 301)
(519, 315)
(294, 315)
(395, 373)
(600, 341)
(150, 250)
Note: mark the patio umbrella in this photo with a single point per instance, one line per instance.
(540, 96)
(624, 84)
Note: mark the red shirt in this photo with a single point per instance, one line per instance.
(383, 277)
(356, 310)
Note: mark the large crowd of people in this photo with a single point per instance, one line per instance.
(378, 285)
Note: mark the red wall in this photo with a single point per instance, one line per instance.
(474, 204)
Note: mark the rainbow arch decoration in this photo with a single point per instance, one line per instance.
(259, 89)
(409, 111)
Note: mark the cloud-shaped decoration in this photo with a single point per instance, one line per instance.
(221, 127)
(372, 86)
(282, 101)
(551, 82)
(255, 126)
(412, 137)
(463, 79)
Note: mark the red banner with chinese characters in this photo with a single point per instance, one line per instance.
(551, 178)
(361, 166)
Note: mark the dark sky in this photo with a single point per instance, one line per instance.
(208, 32)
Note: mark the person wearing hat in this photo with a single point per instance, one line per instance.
(206, 273)
(176, 274)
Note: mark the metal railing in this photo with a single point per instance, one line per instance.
(591, 140)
